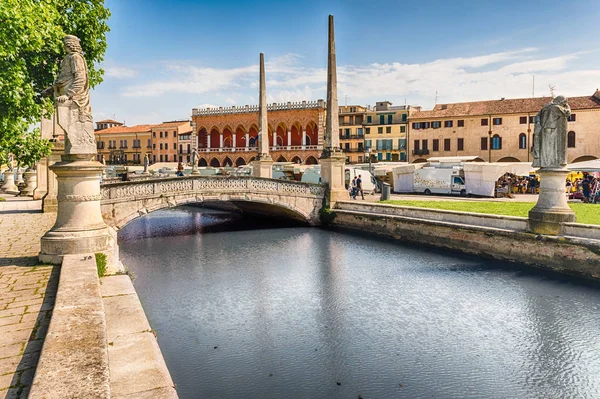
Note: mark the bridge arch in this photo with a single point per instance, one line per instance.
(125, 201)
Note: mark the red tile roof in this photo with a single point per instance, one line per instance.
(126, 129)
(110, 121)
(508, 106)
(170, 124)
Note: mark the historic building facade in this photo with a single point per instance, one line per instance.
(229, 136)
(385, 131)
(165, 140)
(352, 119)
(500, 130)
(124, 144)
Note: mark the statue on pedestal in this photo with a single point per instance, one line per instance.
(72, 95)
(550, 135)
(146, 163)
(550, 155)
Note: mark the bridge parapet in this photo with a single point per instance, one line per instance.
(124, 201)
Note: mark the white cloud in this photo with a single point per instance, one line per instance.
(119, 72)
(486, 76)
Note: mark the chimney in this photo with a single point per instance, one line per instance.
(597, 94)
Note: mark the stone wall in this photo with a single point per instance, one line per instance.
(568, 254)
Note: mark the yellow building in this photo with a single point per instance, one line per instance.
(124, 144)
(500, 130)
(352, 136)
(385, 131)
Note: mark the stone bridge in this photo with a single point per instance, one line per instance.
(124, 201)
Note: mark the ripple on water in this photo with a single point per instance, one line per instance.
(293, 312)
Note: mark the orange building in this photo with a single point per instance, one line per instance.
(165, 140)
(123, 144)
(228, 136)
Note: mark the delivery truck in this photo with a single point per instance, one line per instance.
(432, 180)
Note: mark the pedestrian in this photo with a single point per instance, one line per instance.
(359, 187)
(354, 188)
(180, 169)
(585, 185)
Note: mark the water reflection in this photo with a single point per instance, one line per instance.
(293, 312)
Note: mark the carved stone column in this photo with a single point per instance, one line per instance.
(289, 138)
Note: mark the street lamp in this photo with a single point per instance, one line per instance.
(368, 152)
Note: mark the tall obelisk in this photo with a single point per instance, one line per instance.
(333, 159)
(263, 165)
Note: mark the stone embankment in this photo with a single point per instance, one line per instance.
(63, 331)
(577, 251)
(99, 343)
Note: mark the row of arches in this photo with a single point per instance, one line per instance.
(294, 135)
(241, 161)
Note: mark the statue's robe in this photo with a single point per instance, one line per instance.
(550, 137)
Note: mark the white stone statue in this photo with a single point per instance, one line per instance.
(194, 157)
(103, 160)
(146, 163)
(72, 97)
(550, 135)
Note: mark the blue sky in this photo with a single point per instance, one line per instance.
(166, 57)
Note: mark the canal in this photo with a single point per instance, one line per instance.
(301, 312)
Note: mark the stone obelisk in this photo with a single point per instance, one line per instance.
(263, 165)
(79, 227)
(333, 159)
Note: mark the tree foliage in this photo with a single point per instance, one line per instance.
(31, 33)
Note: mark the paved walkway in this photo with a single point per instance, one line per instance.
(27, 292)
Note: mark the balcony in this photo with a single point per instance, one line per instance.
(351, 136)
(424, 151)
(353, 149)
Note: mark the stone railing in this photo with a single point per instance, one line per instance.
(221, 184)
(255, 108)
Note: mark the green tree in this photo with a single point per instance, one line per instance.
(29, 148)
(31, 33)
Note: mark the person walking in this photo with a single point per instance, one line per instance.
(179, 169)
(359, 187)
(353, 188)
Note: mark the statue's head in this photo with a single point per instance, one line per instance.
(559, 100)
(72, 44)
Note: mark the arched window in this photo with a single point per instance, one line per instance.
(522, 141)
(571, 139)
(496, 142)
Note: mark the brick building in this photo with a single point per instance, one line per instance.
(229, 136)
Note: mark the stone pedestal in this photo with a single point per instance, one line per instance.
(50, 202)
(263, 168)
(42, 179)
(19, 180)
(552, 208)
(79, 227)
(9, 186)
(333, 174)
(30, 183)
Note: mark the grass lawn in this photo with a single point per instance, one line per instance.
(585, 213)
(2, 199)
